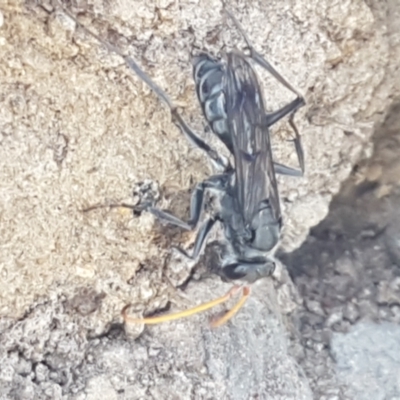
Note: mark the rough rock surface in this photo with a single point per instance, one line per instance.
(78, 128)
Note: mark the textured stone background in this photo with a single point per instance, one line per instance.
(78, 128)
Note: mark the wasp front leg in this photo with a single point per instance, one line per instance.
(217, 183)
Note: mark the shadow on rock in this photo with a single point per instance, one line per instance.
(348, 270)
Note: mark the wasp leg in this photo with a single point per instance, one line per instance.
(182, 314)
(297, 143)
(226, 317)
(122, 205)
(272, 118)
(220, 162)
(259, 59)
(276, 116)
(201, 237)
(216, 182)
(282, 169)
(290, 108)
(168, 218)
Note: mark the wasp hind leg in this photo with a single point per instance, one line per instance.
(283, 169)
(260, 60)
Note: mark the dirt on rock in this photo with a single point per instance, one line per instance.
(78, 128)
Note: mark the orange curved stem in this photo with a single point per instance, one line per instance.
(181, 314)
(226, 317)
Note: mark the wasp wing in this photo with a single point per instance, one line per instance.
(255, 184)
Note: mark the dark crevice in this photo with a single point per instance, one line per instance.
(345, 269)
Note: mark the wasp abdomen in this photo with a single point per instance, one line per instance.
(209, 75)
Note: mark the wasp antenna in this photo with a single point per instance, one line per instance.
(183, 314)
